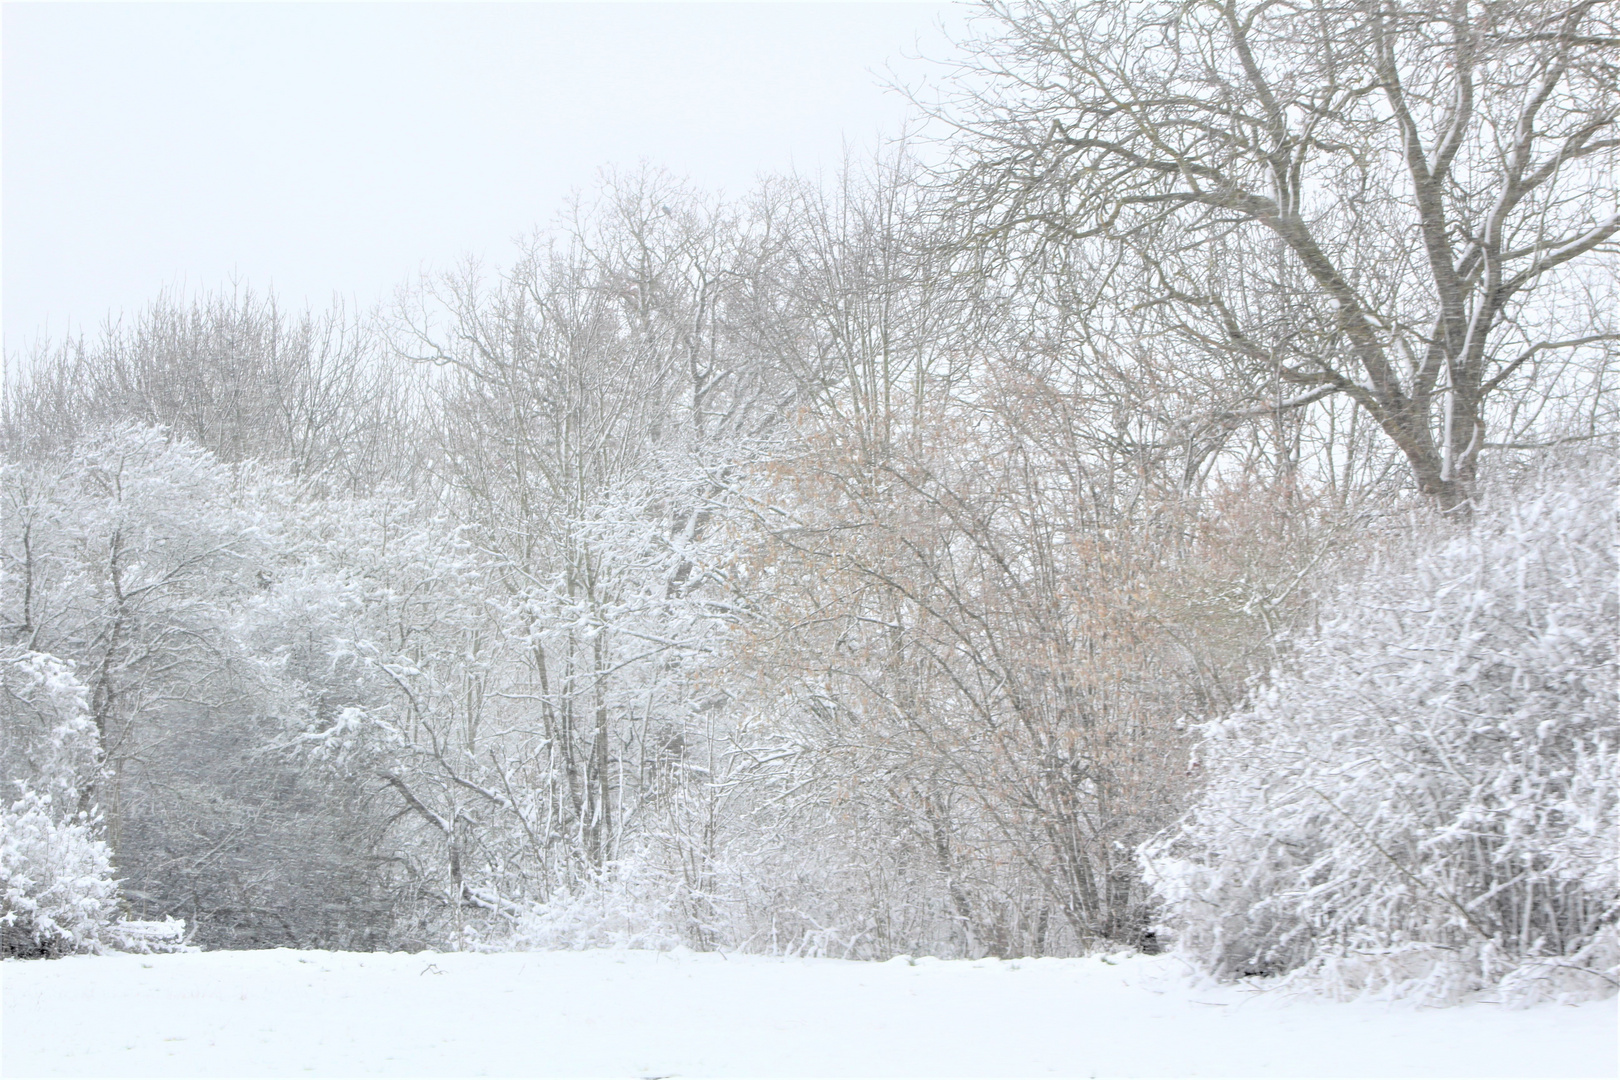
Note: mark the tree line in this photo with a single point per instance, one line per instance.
(869, 566)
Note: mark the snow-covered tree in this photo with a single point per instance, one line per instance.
(593, 397)
(48, 742)
(57, 891)
(1421, 799)
(134, 556)
(234, 373)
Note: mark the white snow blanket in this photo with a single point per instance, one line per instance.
(644, 1014)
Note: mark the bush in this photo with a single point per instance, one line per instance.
(1421, 802)
(630, 904)
(57, 893)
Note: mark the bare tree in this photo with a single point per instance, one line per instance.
(1389, 202)
(234, 373)
(583, 395)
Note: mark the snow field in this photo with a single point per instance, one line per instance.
(644, 1014)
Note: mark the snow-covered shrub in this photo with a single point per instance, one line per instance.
(164, 935)
(57, 892)
(631, 904)
(1421, 801)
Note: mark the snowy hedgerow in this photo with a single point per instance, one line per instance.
(1421, 802)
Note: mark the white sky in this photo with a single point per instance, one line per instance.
(321, 148)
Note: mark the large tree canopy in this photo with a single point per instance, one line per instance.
(1393, 202)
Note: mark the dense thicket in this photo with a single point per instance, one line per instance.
(1421, 798)
(859, 568)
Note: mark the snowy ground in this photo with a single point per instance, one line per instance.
(638, 1014)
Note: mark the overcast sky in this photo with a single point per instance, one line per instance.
(321, 148)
